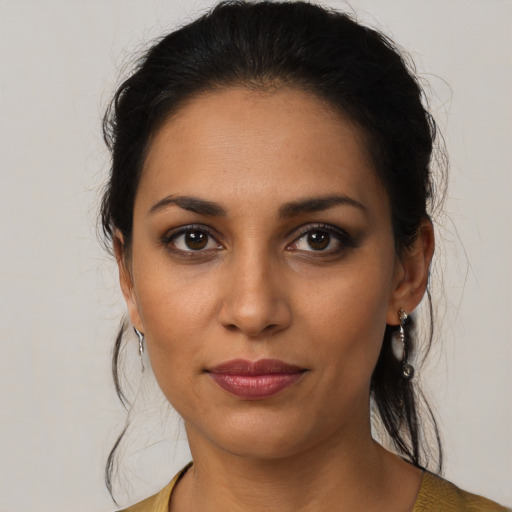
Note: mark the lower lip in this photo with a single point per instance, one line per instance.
(255, 387)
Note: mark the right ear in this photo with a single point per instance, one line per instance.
(126, 280)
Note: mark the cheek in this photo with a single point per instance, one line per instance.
(345, 318)
(176, 309)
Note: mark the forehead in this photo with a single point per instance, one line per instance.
(279, 144)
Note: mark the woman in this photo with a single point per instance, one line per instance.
(268, 207)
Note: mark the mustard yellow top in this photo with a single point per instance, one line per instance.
(435, 495)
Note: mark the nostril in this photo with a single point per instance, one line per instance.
(256, 333)
(270, 327)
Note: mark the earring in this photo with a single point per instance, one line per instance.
(141, 346)
(407, 370)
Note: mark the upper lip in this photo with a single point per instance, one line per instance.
(260, 367)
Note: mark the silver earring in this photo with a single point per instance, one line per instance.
(407, 369)
(141, 346)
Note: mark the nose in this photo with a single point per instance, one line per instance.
(255, 299)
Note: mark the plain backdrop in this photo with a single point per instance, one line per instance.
(60, 304)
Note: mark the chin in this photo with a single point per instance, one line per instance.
(265, 436)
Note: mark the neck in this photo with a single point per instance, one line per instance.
(351, 469)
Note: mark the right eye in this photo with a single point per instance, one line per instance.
(191, 239)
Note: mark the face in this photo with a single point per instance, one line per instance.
(263, 271)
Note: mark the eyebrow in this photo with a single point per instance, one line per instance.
(317, 204)
(291, 209)
(192, 204)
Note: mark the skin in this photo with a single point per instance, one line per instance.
(259, 289)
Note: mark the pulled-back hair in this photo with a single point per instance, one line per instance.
(356, 70)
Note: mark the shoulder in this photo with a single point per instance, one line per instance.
(436, 492)
(159, 502)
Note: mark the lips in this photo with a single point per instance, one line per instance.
(255, 380)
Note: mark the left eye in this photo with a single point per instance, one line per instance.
(318, 240)
(193, 240)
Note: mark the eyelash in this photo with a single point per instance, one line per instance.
(344, 240)
(342, 237)
(169, 239)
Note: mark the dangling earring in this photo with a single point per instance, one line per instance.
(141, 346)
(407, 370)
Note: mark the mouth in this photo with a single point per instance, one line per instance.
(255, 380)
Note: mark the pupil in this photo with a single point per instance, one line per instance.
(196, 240)
(319, 240)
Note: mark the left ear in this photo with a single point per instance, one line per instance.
(412, 272)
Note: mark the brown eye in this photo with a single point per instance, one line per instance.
(318, 240)
(195, 240)
(326, 240)
(191, 240)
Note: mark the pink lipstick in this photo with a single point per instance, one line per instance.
(255, 380)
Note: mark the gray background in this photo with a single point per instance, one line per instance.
(60, 305)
